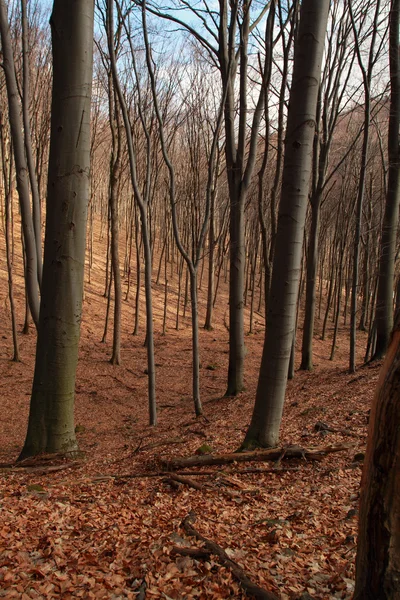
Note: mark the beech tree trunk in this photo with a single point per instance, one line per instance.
(384, 303)
(51, 416)
(281, 318)
(378, 550)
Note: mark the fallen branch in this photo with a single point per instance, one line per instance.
(249, 471)
(185, 481)
(197, 553)
(273, 454)
(248, 586)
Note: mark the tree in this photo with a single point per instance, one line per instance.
(142, 198)
(31, 263)
(378, 550)
(309, 46)
(334, 85)
(51, 416)
(384, 303)
(226, 35)
(197, 240)
(366, 72)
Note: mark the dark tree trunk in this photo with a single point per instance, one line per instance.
(309, 46)
(51, 416)
(378, 550)
(384, 304)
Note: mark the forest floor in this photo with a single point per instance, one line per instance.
(106, 525)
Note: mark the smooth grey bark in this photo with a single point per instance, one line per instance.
(51, 415)
(31, 264)
(36, 212)
(337, 70)
(270, 396)
(384, 303)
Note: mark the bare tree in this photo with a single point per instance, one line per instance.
(309, 46)
(31, 265)
(384, 303)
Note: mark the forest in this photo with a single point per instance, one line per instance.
(200, 296)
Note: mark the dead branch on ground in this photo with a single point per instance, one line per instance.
(271, 454)
(249, 587)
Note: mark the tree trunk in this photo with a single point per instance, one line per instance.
(7, 168)
(36, 211)
(384, 305)
(312, 264)
(267, 414)
(211, 277)
(31, 272)
(115, 174)
(51, 416)
(378, 550)
(236, 300)
(195, 342)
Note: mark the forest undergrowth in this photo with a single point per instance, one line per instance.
(108, 523)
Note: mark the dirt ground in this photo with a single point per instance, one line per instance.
(105, 525)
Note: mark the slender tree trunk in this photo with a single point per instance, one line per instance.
(138, 277)
(104, 338)
(31, 268)
(312, 264)
(142, 202)
(36, 210)
(7, 168)
(267, 414)
(195, 343)
(367, 75)
(115, 174)
(51, 416)
(211, 277)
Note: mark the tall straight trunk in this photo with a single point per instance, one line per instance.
(7, 169)
(237, 258)
(31, 264)
(367, 76)
(51, 416)
(312, 264)
(138, 276)
(378, 550)
(36, 211)
(142, 203)
(115, 173)
(195, 342)
(281, 318)
(384, 304)
(211, 276)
